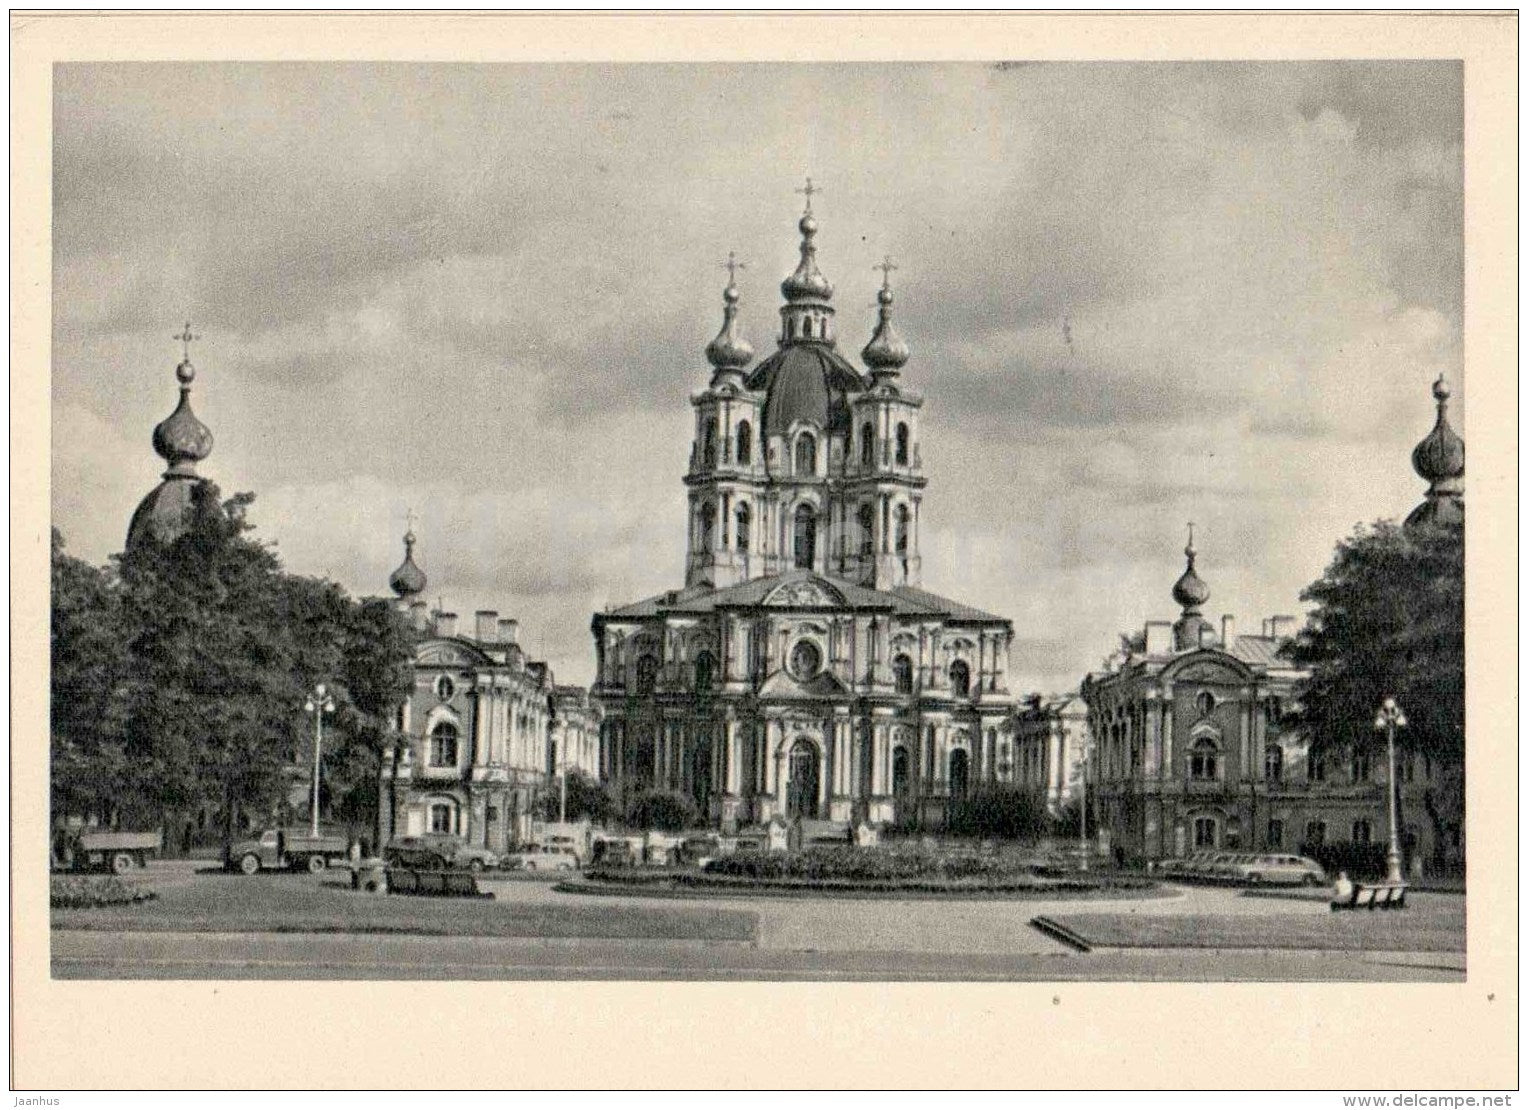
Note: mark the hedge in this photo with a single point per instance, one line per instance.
(88, 891)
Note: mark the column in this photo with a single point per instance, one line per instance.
(480, 733)
(1169, 764)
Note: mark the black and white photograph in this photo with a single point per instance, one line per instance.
(994, 520)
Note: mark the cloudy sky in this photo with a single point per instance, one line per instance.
(1136, 295)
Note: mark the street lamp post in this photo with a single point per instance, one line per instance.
(1387, 720)
(319, 702)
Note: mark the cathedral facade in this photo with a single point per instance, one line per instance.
(802, 670)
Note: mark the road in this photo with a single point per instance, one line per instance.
(100, 955)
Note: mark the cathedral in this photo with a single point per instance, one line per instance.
(802, 670)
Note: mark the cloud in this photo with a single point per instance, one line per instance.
(1135, 294)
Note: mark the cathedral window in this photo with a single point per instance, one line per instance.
(904, 520)
(707, 526)
(902, 438)
(744, 442)
(960, 678)
(867, 444)
(705, 672)
(902, 674)
(806, 660)
(442, 817)
(445, 689)
(647, 675)
(806, 454)
(806, 535)
(867, 528)
(442, 748)
(1273, 763)
(1204, 760)
(743, 517)
(1205, 703)
(1204, 832)
(708, 443)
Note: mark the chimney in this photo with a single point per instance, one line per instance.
(445, 624)
(419, 616)
(485, 621)
(1206, 635)
(1227, 631)
(509, 630)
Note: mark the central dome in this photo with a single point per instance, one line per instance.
(807, 382)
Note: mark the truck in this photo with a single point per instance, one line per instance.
(279, 849)
(102, 849)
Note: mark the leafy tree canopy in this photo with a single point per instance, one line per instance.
(1388, 623)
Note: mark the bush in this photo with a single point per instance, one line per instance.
(865, 865)
(662, 810)
(1360, 861)
(586, 799)
(88, 891)
(998, 812)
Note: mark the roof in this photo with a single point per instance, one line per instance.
(806, 382)
(1258, 651)
(904, 601)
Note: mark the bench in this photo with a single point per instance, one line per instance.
(439, 884)
(1369, 896)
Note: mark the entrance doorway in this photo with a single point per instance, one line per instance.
(801, 795)
(960, 773)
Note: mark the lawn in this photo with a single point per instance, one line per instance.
(218, 903)
(1428, 924)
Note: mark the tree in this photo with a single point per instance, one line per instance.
(661, 809)
(1389, 622)
(88, 658)
(587, 798)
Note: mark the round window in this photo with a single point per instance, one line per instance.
(806, 660)
(445, 689)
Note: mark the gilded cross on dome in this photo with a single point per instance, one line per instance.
(808, 191)
(732, 266)
(186, 339)
(886, 266)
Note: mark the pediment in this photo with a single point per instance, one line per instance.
(1211, 667)
(803, 593)
(782, 684)
(448, 653)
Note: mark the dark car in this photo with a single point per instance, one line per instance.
(438, 853)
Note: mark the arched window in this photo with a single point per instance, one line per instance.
(705, 671)
(442, 817)
(707, 526)
(1205, 703)
(442, 748)
(744, 442)
(902, 673)
(1273, 763)
(806, 454)
(867, 528)
(806, 535)
(1203, 760)
(904, 519)
(647, 675)
(960, 772)
(960, 678)
(902, 437)
(1360, 767)
(708, 443)
(867, 444)
(1205, 829)
(743, 518)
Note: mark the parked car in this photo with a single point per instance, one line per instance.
(538, 857)
(613, 852)
(1276, 869)
(438, 852)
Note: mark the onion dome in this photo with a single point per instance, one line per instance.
(1190, 591)
(408, 581)
(729, 350)
(887, 352)
(1439, 459)
(180, 438)
(182, 441)
(807, 283)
